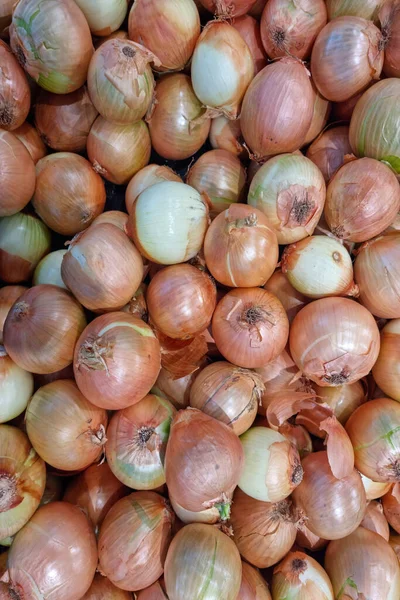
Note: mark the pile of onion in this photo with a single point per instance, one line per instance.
(17, 174)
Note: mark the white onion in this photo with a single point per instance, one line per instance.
(16, 388)
(49, 270)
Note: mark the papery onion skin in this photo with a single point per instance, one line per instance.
(315, 346)
(375, 520)
(116, 360)
(278, 93)
(179, 124)
(321, 113)
(8, 295)
(22, 480)
(249, 29)
(15, 100)
(16, 388)
(57, 57)
(343, 399)
(139, 525)
(368, 9)
(350, 562)
(111, 284)
(292, 300)
(176, 391)
(201, 557)
(115, 217)
(387, 367)
(64, 121)
(137, 305)
(327, 152)
(54, 555)
(253, 586)
(117, 152)
(120, 34)
(301, 576)
(290, 190)
(227, 8)
(288, 29)
(226, 135)
(17, 175)
(65, 429)
(374, 489)
(333, 507)
(103, 17)
(145, 178)
(222, 68)
(29, 136)
(208, 515)
(308, 540)
(103, 589)
(389, 16)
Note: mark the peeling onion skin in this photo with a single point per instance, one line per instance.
(17, 175)
(253, 586)
(103, 589)
(228, 8)
(15, 101)
(386, 368)
(375, 519)
(328, 151)
(300, 576)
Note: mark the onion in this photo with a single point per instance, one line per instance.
(290, 190)
(168, 222)
(53, 490)
(115, 217)
(54, 556)
(222, 68)
(139, 527)
(391, 507)
(226, 135)
(53, 44)
(116, 361)
(179, 124)
(292, 300)
(257, 8)
(95, 491)
(68, 194)
(170, 30)
(208, 515)
(8, 295)
(153, 592)
(375, 272)
(220, 175)
(277, 109)
(375, 520)
(109, 284)
(6, 11)
(176, 391)
(291, 29)
(102, 588)
(249, 29)
(368, 9)
(17, 175)
(394, 542)
(64, 121)
(202, 560)
(120, 34)
(334, 341)
(343, 399)
(22, 480)
(386, 368)
(183, 357)
(253, 586)
(329, 149)
(16, 387)
(374, 432)
(136, 441)
(374, 489)
(65, 429)
(15, 100)
(145, 178)
(103, 17)
(375, 122)
(29, 136)
(227, 393)
(263, 532)
(250, 327)
(322, 109)
(300, 576)
(117, 152)
(137, 305)
(389, 16)
(363, 564)
(195, 482)
(333, 507)
(319, 266)
(309, 541)
(227, 8)
(342, 111)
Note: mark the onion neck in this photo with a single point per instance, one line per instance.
(20, 310)
(98, 436)
(249, 221)
(93, 353)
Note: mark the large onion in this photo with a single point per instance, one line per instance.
(145, 178)
(48, 271)
(300, 576)
(15, 94)
(29, 136)
(53, 43)
(387, 368)
(329, 149)
(292, 300)
(102, 588)
(105, 16)
(8, 295)
(17, 174)
(249, 29)
(368, 9)
(389, 16)
(16, 388)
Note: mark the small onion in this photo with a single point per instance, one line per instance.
(389, 16)
(16, 388)
(8, 295)
(168, 222)
(220, 175)
(22, 480)
(343, 399)
(253, 586)
(102, 588)
(249, 29)
(53, 44)
(327, 152)
(64, 121)
(391, 507)
(292, 300)
(68, 194)
(176, 391)
(170, 30)
(227, 8)
(250, 327)
(136, 441)
(375, 520)
(277, 109)
(115, 217)
(290, 190)
(145, 178)
(334, 341)
(222, 68)
(202, 560)
(17, 174)
(54, 555)
(300, 576)
(105, 16)
(117, 152)
(139, 527)
(374, 489)
(15, 94)
(226, 135)
(29, 136)
(65, 429)
(368, 9)
(387, 367)
(291, 29)
(117, 360)
(107, 284)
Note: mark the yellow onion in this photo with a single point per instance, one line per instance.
(334, 341)
(64, 121)
(291, 29)
(145, 178)
(374, 489)
(17, 175)
(300, 576)
(102, 588)
(389, 16)
(109, 284)
(290, 190)
(368, 9)
(363, 565)
(169, 30)
(168, 222)
(263, 532)
(375, 520)
(6, 10)
(16, 387)
(253, 586)
(220, 175)
(8, 295)
(115, 217)
(137, 305)
(222, 68)
(228, 8)
(322, 109)
(277, 109)
(138, 526)
(202, 560)
(68, 194)
(177, 391)
(387, 367)
(391, 507)
(15, 94)
(22, 480)
(179, 124)
(308, 540)
(343, 399)
(249, 29)
(226, 135)
(48, 271)
(292, 300)
(103, 17)
(117, 152)
(65, 429)
(29, 136)
(328, 151)
(53, 43)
